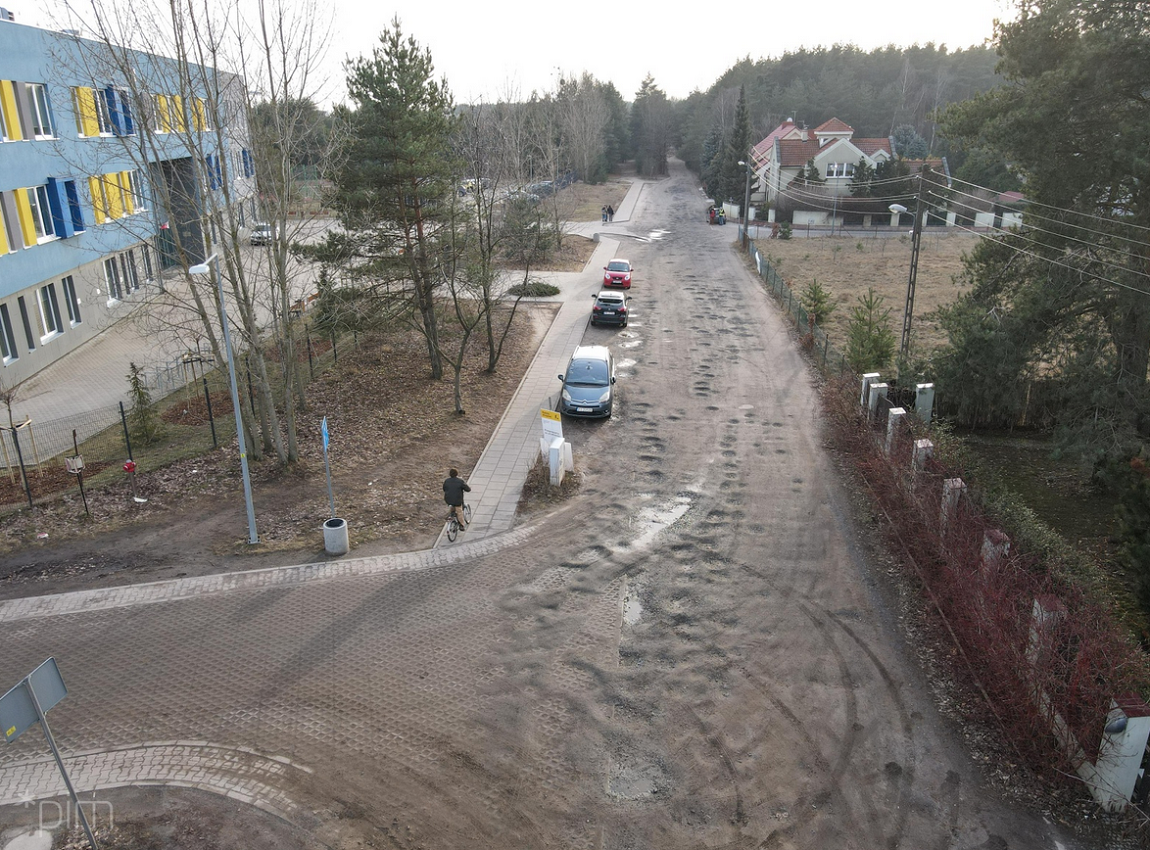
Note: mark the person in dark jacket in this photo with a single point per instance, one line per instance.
(453, 489)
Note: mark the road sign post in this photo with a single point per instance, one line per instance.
(28, 704)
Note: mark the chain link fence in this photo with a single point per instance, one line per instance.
(191, 414)
(830, 358)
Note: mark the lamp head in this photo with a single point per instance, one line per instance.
(897, 208)
(201, 268)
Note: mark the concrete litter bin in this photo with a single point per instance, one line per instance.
(335, 536)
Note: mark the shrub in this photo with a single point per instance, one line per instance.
(817, 301)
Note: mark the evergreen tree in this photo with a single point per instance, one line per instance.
(870, 341)
(908, 144)
(397, 173)
(737, 149)
(652, 124)
(1074, 289)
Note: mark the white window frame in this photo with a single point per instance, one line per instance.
(133, 188)
(7, 336)
(840, 169)
(71, 300)
(43, 126)
(131, 273)
(41, 214)
(112, 279)
(50, 322)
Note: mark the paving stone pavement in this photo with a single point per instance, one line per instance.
(276, 674)
(257, 665)
(498, 477)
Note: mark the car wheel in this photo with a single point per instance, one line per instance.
(623, 325)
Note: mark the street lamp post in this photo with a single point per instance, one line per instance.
(212, 264)
(746, 203)
(912, 279)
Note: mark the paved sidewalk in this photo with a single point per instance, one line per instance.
(498, 477)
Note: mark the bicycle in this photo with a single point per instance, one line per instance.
(453, 521)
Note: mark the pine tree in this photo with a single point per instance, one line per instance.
(870, 341)
(392, 186)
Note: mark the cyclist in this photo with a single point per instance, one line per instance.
(453, 489)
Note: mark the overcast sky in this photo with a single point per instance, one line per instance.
(482, 47)
(488, 48)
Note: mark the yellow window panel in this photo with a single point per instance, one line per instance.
(114, 194)
(200, 115)
(163, 114)
(126, 186)
(86, 102)
(4, 249)
(99, 204)
(178, 106)
(11, 115)
(24, 210)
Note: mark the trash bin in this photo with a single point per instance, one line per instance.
(335, 536)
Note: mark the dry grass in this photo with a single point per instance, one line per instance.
(848, 266)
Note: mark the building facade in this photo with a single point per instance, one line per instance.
(114, 165)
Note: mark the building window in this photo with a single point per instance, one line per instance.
(31, 340)
(112, 278)
(49, 312)
(41, 214)
(70, 300)
(840, 169)
(131, 276)
(42, 127)
(146, 253)
(7, 337)
(119, 111)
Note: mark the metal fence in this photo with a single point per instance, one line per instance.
(191, 414)
(825, 355)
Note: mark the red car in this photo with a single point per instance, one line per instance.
(617, 273)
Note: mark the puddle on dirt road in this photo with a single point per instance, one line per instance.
(632, 607)
(650, 521)
(633, 343)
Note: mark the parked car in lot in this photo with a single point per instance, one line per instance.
(618, 273)
(262, 233)
(589, 383)
(610, 308)
(542, 188)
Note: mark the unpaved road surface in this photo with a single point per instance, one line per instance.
(690, 654)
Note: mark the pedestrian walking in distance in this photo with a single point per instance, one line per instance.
(610, 213)
(604, 213)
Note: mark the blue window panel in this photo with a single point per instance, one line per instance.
(126, 114)
(113, 110)
(210, 167)
(77, 214)
(58, 204)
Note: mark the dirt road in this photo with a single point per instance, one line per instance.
(693, 653)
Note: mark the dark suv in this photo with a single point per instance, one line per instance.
(588, 386)
(610, 308)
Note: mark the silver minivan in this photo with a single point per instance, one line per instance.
(589, 384)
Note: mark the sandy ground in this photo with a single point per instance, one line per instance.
(698, 650)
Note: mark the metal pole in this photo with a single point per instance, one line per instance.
(253, 537)
(23, 471)
(211, 419)
(60, 763)
(915, 242)
(80, 473)
(747, 205)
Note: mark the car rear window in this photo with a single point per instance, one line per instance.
(588, 373)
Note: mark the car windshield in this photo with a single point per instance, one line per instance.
(618, 266)
(588, 373)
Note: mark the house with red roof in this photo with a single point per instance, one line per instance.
(835, 152)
